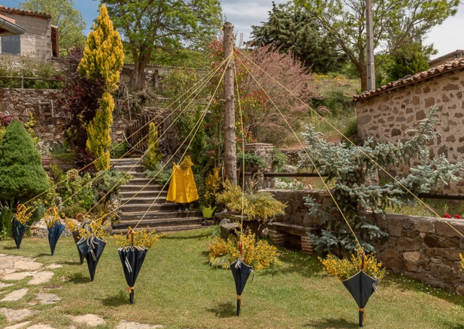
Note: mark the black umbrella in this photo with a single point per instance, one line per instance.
(75, 235)
(361, 286)
(241, 272)
(17, 230)
(91, 248)
(54, 234)
(132, 260)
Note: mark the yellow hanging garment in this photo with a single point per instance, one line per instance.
(182, 188)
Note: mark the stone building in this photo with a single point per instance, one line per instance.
(446, 58)
(387, 112)
(40, 40)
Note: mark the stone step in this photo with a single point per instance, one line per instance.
(143, 194)
(136, 188)
(145, 200)
(136, 174)
(156, 223)
(151, 215)
(144, 207)
(141, 181)
(166, 229)
(125, 161)
(133, 167)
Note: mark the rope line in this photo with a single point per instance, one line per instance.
(352, 143)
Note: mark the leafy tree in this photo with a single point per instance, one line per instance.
(293, 30)
(151, 24)
(350, 169)
(68, 19)
(21, 174)
(394, 24)
(103, 59)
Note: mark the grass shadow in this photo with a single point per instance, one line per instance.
(9, 248)
(118, 299)
(295, 263)
(189, 237)
(77, 262)
(330, 323)
(78, 278)
(224, 310)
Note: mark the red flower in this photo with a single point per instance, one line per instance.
(457, 216)
(447, 216)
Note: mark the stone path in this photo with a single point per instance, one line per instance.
(17, 268)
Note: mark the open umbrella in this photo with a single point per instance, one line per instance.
(132, 260)
(17, 230)
(54, 234)
(91, 248)
(361, 286)
(241, 273)
(75, 235)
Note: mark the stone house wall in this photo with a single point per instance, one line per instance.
(423, 248)
(386, 114)
(37, 41)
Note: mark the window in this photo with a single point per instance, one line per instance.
(11, 45)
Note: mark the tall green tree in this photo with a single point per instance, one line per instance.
(68, 19)
(149, 24)
(395, 22)
(103, 59)
(294, 30)
(21, 174)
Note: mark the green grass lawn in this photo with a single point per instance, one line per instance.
(178, 289)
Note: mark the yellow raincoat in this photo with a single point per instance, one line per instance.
(182, 188)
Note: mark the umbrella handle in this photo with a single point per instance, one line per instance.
(81, 216)
(240, 247)
(20, 206)
(131, 233)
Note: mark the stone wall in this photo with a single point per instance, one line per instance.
(387, 116)
(423, 248)
(37, 41)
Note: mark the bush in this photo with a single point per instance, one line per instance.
(73, 210)
(118, 150)
(77, 190)
(280, 160)
(162, 176)
(153, 155)
(6, 216)
(252, 161)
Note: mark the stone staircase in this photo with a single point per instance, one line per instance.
(162, 216)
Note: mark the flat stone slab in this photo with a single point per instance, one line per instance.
(19, 325)
(47, 299)
(41, 326)
(5, 285)
(15, 295)
(134, 325)
(53, 266)
(16, 315)
(41, 277)
(26, 265)
(91, 320)
(17, 276)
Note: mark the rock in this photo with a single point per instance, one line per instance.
(41, 277)
(224, 221)
(5, 285)
(91, 320)
(392, 259)
(412, 257)
(19, 325)
(134, 325)
(14, 295)
(53, 266)
(16, 315)
(27, 265)
(17, 276)
(47, 299)
(41, 326)
(227, 229)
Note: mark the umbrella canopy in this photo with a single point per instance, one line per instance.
(75, 235)
(132, 260)
(17, 230)
(361, 286)
(54, 234)
(241, 273)
(91, 248)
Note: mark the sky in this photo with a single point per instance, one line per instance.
(245, 13)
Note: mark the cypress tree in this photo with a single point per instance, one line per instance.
(21, 173)
(153, 155)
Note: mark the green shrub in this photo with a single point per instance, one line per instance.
(6, 215)
(110, 181)
(21, 174)
(153, 155)
(118, 149)
(72, 210)
(162, 176)
(77, 190)
(252, 161)
(280, 160)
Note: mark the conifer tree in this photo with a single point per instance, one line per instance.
(153, 155)
(21, 174)
(103, 59)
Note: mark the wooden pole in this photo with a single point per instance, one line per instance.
(230, 148)
(370, 47)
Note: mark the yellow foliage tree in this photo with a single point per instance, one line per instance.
(153, 155)
(103, 59)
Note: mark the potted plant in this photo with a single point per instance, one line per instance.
(212, 184)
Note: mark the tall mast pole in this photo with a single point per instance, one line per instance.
(230, 148)
(370, 47)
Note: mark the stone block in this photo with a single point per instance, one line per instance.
(408, 244)
(392, 260)
(424, 225)
(412, 257)
(227, 229)
(450, 228)
(446, 253)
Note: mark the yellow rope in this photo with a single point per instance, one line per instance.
(307, 153)
(352, 143)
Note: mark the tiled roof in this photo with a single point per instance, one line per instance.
(449, 57)
(433, 72)
(23, 12)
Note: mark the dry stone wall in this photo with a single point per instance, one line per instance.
(423, 248)
(387, 116)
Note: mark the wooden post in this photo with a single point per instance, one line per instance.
(230, 148)
(370, 47)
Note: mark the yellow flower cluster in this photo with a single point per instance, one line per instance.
(96, 227)
(71, 225)
(186, 163)
(52, 216)
(347, 267)
(143, 239)
(259, 254)
(462, 261)
(22, 214)
(212, 185)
